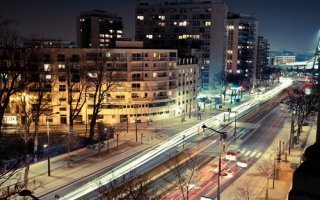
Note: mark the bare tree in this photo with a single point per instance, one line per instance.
(42, 81)
(301, 106)
(129, 187)
(15, 178)
(13, 73)
(245, 192)
(103, 77)
(77, 96)
(183, 169)
(266, 170)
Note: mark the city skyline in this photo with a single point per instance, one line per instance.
(282, 23)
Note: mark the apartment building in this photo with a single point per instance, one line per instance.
(262, 58)
(151, 83)
(185, 25)
(98, 29)
(242, 45)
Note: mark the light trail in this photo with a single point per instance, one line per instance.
(167, 145)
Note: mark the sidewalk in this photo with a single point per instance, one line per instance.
(257, 184)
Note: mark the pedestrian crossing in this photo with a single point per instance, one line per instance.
(250, 153)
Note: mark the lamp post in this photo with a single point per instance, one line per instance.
(26, 192)
(48, 141)
(183, 137)
(136, 121)
(48, 146)
(223, 136)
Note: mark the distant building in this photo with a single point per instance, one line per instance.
(46, 43)
(187, 26)
(279, 60)
(262, 58)
(98, 28)
(242, 46)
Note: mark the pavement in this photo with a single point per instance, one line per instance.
(85, 162)
(252, 185)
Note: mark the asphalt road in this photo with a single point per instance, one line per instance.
(252, 140)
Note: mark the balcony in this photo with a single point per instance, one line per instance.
(173, 87)
(137, 69)
(137, 79)
(161, 97)
(160, 78)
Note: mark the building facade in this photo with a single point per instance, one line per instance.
(262, 59)
(242, 45)
(151, 84)
(189, 26)
(98, 29)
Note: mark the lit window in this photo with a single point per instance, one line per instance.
(140, 18)
(61, 66)
(48, 77)
(82, 20)
(162, 24)
(119, 31)
(46, 67)
(175, 23)
(154, 75)
(111, 31)
(162, 17)
(184, 23)
(230, 27)
(238, 71)
(207, 23)
(149, 36)
(101, 35)
(119, 36)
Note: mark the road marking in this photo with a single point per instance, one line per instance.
(258, 155)
(253, 153)
(247, 153)
(242, 151)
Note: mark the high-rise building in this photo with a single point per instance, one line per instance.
(98, 29)
(262, 58)
(46, 43)
(242, 48)
(197, 26)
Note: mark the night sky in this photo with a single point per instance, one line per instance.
(288, 24)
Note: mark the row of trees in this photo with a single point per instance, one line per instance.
(302, 102)
(27, 80)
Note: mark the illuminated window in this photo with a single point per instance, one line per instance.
(46, 67)
(230, 27)
(207, 23)
(162, 17)
(119, 31)
(184, 23)
(162, 24)
(111, 31)
(82, 20)
(175, 23)
(149, 36)
(238, 71)
(48, 77)
(140, 18)
(230, 51)
(61, 66)
(154, 75)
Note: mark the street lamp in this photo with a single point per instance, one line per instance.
(48, 146)
(48, 141)
(26, 192)
(223, 137)
(183, 137)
